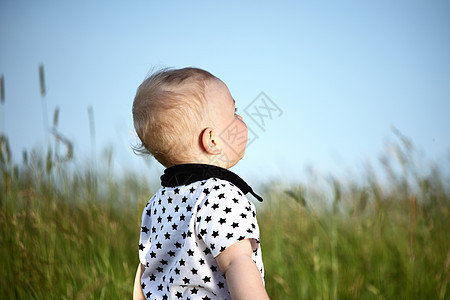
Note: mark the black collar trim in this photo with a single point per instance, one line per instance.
(189, 173)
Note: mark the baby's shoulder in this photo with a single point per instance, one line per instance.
(217, 186)
(220, 193)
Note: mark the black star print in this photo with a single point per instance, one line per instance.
(141, 247)
(206, 298)
(148, 294)
(143, 285)
(169, 230)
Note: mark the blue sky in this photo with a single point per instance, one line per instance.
(343, 73)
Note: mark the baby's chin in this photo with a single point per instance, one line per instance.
(235, 161)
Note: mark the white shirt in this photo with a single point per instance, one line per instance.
(184, 228)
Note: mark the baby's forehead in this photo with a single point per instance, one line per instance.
(214, 87)
(215, 82)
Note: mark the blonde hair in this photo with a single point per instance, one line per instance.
(167, 113)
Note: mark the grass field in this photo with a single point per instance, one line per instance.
(69, 232)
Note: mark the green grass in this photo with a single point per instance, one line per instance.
(69, 232)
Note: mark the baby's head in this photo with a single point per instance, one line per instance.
(181, 116)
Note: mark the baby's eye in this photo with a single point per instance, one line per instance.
(235, 110)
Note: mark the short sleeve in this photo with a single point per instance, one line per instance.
(226, 216)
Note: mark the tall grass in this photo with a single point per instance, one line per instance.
(67, 234)
(69, 231)
(365, 240)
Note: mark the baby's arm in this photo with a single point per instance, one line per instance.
(243, 277)
(137, 290)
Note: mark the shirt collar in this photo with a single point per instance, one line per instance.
(189, 173)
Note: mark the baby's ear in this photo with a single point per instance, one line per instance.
(209, 141)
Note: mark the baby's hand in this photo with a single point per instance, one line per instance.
(137, 290)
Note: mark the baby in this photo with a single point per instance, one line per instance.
(199, 234)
